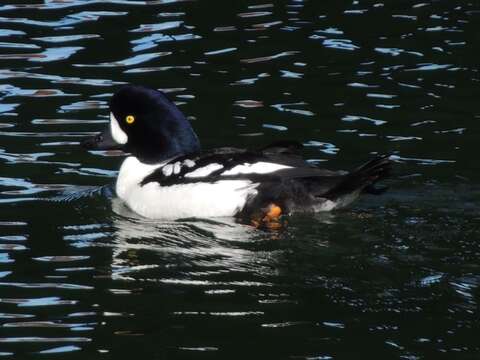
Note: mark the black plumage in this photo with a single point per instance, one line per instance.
(302, 187)
(145, 123)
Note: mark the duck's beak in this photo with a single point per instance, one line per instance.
(102, 141)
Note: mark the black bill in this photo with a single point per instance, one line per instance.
(102, 141)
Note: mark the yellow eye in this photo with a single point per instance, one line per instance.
(130, 119)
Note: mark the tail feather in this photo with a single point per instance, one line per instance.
(363, 178)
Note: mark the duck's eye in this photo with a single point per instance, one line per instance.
(130, 119)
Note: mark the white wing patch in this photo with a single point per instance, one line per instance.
(204, 171)
(117, 133)
(189, 163)
(256, 168)
(176, 167)
(167, 170)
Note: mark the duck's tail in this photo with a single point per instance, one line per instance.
(363, 178)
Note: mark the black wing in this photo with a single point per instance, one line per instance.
(283, 153)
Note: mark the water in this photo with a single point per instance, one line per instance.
(394, 277)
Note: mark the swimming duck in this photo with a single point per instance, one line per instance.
(168, 176)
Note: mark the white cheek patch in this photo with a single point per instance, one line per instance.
(117, 133)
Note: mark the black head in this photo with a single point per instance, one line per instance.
(146, 123)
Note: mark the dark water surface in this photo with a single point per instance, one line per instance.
(393, 277)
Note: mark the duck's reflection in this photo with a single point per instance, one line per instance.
(195, 248)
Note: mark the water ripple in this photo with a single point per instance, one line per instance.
(7, 74)
(135, 60)
(66, 38)
(151, 41)
(38, 302)
(158, 26)
(69, 20)
(269, 58)
(348, 81)
(43, 339)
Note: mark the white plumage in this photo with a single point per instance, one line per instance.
(199, 199)
(117, 133)
(160, 181)
(204, 171)
(256, 168)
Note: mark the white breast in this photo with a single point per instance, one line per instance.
(202, 199)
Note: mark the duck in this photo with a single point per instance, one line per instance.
(167, 175)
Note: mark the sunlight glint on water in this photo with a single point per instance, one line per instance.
(395, 276)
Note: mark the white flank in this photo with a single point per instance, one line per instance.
(222, 198)
(117, 133)
(204, 171)
(256, 168)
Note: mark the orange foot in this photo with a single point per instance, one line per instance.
(269, 217)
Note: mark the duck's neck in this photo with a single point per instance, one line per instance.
(131, 174)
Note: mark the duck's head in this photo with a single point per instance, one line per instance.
(145, 123)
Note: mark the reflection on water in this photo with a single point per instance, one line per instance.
(396, 276)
